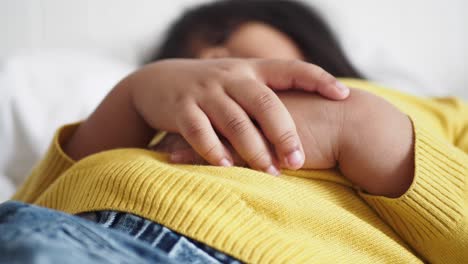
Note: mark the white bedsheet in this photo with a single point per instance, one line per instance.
(40, 92)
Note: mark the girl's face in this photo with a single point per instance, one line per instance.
(254, 40)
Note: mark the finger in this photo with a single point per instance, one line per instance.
(276, 123)
(188, 156)
(234, 124)
(296, 74)
(183, 153)
(236, 158)
(170, 142)
(196, 128)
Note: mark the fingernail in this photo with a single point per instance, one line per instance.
(294, 160)
(272, 170)
(342, 88)
(225, 163)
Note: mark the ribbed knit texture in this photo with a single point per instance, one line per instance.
(300, 217)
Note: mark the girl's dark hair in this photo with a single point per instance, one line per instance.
(212, 23)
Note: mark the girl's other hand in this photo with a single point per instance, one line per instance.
(198, 98)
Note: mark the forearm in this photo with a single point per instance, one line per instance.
(376, 147)
(114, 124)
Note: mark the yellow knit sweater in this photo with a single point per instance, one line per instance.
(308, 216)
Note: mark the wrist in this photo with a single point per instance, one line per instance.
(114, 124)
(376, 149)
(142, 131)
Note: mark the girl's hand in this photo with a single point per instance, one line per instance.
(196, 98)
(318, 121)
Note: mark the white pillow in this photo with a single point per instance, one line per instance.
(40, 92)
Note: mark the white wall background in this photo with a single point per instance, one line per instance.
(425, 40)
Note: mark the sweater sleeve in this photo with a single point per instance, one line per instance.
(53, 164)
(432, 216)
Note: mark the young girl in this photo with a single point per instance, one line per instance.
(366, 175)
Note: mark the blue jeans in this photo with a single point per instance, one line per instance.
(32, 234)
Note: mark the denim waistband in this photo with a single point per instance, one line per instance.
(179, 248)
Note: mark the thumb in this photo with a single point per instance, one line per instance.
(295, 74)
